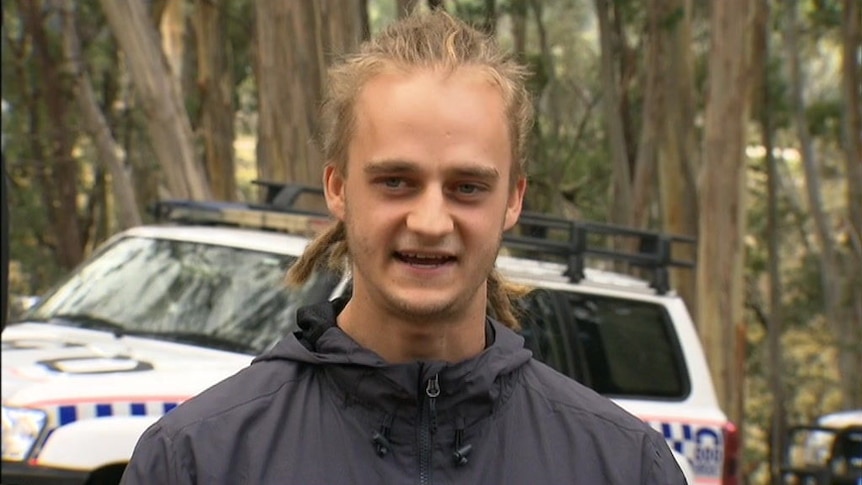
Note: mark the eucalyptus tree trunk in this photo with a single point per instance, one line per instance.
(167, 121)
(4, 242)
(678, 158)
(404, 7)
(95, 124)
(489, 19)
(612, 101)
(518, 16)
(172, 27)
(852, 85)
(644, 183)
(761, 105)
(215, 84)
(720, 285)
(296, 41)
(666, 145)
(51, 141)
(831, 270)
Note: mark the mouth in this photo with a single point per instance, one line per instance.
(421, 260)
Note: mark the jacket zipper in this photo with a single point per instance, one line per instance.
(427, 428)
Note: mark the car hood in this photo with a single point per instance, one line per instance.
(47, 365)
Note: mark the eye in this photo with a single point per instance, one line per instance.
(392, 182)
(469, 189)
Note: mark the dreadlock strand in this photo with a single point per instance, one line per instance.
(502, 295)
(329, 242)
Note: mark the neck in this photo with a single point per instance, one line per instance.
(400, 338)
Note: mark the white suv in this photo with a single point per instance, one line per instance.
(160, 313)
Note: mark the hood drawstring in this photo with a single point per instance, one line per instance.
(382, 445)
(461, 450)
(381, 437)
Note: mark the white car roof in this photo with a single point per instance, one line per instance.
(551, 274)
(841, 419)
(269, 241)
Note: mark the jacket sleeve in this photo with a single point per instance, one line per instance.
(157, 459)
(664, 469)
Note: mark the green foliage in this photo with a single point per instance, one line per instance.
(824, 118)
(824, 14)
(474, 11)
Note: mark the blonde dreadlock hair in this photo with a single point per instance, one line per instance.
(430, 40)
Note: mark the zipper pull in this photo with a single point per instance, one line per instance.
(432, 390)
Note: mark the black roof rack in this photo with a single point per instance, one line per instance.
(575, 241)
(280, 211)
(285, 196)
(542, 235)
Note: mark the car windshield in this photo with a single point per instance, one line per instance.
(183, 291)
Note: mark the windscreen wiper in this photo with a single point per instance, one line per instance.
(92, 322)
(211, 341)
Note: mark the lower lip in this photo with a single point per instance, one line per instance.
(427, 270)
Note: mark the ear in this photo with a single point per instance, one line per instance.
(516, 200)
(333, 188)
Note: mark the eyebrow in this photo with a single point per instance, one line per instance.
(474, 171)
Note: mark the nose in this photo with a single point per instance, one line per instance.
(429, 216)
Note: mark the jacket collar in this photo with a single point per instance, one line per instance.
(468, 388)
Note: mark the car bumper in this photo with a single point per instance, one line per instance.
(17, 473)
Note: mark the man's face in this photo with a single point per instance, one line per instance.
(427, 192)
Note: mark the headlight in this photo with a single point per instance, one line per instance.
(21, 429)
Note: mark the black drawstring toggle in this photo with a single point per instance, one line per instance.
(381, 443)
(461, 451)
(381, 438)
(460, 455)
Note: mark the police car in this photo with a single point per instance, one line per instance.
(160, 313)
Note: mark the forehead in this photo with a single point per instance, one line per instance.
(392, 87)
(427, 114)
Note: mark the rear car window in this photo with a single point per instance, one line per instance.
(617, 347)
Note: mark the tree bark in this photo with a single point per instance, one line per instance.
(95, 124)
(215, 84)
(762, 108)
(518, 16)
(720, 285)
(644, 183)
(622, 197)
(852, 131)
(677, 143)
(296, 42)
(172, 27)
(404, 7)
(56, 170)
(489, 20)
(167, 121)
(831, 271)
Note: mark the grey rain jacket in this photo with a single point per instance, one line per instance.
(318, 409)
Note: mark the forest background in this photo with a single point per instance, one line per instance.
(737, 122)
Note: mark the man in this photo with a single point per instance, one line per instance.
(409, 380)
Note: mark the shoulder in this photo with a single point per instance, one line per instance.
(236, 399)
(571, 400)
(550, 407)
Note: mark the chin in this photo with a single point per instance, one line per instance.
(423, 306)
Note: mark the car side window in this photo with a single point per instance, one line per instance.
(546, 334)
(616, 346)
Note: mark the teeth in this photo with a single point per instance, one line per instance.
(423, 256)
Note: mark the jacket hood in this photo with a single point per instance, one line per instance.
(467, 388)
